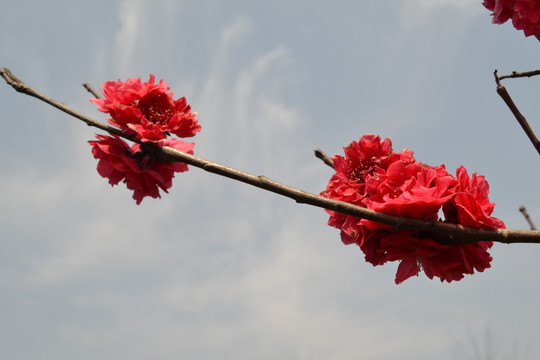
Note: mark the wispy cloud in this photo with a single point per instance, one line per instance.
(216, 87)
(130, 12)
(242, 105)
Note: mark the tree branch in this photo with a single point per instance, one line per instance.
(516, 74)
(501, 90)
(91, 90)
(454, 234)
(21, 87)
(527, 217)
(321, 155)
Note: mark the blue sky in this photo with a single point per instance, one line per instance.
(216, 269)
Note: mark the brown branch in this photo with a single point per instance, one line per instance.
(91, 90)
(527, 217)
(503, 93)
(321, 155)
(516, 74)
(453, 233)
(456, 234)
(21, 87)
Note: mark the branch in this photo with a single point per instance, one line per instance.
(455, 234)
(21, 87)
(527, 217)
(501, 90)
(91, 90)
(516, 74)
(321, 155)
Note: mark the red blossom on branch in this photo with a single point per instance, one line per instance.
(372, 175)
(525, 14)
(136, 168)
(147, 110)
(470, 204)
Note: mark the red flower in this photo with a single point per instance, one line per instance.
(362, 158)
(410, 189)
(525, 14)
(470, 204)
(374, 176)
(147, 110)
(137, 169)
(418, 251)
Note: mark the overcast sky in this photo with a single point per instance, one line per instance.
(216, 269)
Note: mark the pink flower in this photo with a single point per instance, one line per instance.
(137, 169)
(372, 175)
(147, 110)
(525, 14)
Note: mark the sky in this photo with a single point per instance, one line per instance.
(216, 268)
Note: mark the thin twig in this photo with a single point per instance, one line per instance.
(453, 233)
(91, 90)
(527, 217)
(516, 74)
(21, 87)
(503, 93)
(321, 155)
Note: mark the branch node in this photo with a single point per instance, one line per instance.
(497, 79)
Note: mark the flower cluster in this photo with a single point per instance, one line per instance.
(148, 112)
(372, 175)
(525, 14)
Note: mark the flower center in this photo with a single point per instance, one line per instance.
(156, 107)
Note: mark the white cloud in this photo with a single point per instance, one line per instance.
(212, 96)
(130, 12)
(248, 79)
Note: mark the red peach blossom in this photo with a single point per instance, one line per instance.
(361, 159)
(525, 14)
(416, 251)
(147, 110)
(470, 204)
(374, 176)
(138, 170)
(411, 190)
